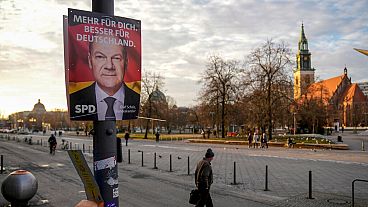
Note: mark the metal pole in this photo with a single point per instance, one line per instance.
(119, 151)
(71, 145)
(170, 163)
(154, 165)
(83, 148)
(352, 193)
(128, 156)
(2, 164)
(41, 142)
(266, 180)
(363, 145)
(188, 167)
(142, 158)
(310, 185)
(234, 173)
(104, 138)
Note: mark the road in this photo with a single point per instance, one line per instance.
(333, 172)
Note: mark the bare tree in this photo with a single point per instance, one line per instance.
(220, 86)
(267, 78)
(150, 82)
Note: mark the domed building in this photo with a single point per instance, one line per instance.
(39, 108)
(38, 119)
(157, 96)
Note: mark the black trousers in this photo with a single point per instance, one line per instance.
(204, 198)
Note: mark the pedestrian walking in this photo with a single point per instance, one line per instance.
(52, 143)
(204, 179)
(157, 136)
(250, 138)
(126, 137)
(264, 140)
(255, 140)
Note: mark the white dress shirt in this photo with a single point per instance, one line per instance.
(102, 105)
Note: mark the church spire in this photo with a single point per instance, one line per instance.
(303, 42)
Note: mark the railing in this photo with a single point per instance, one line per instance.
(352, 190)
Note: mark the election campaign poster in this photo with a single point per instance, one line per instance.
(104, 66)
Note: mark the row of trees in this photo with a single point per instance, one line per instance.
(256, 94)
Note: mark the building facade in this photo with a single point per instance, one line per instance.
(364, 87)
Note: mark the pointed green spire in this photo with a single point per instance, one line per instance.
(303, 42)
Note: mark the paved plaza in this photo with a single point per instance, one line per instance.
(288, 169)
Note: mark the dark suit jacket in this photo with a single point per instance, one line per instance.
(83, 102)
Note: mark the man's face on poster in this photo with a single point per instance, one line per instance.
(107, 62)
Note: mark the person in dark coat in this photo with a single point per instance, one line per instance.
(126, 136)
(52, 142)
(250, 138)
(157, 136)
(204, 179)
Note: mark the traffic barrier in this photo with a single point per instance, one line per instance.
(170, 163)
(352, 190)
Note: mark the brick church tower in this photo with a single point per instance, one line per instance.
(303, 73)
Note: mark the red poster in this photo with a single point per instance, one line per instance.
(104, 63)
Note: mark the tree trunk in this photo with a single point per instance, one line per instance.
(269, 108)
(223, 116)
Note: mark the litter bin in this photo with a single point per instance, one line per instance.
(339, 139)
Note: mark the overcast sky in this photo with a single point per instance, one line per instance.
(177, 38)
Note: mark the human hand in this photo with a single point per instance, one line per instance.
(86, 203)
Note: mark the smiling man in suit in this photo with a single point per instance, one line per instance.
(108, 98)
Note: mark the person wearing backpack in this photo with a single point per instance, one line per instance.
(204, 179)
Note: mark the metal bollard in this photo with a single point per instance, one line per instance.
(2, 164)
(266, 179)
(363, 145)
(310, 185)
(41, 142)
(128, 156)
(170, 163)
(71, 145)
(154, 164)
(19, 187)
(142, 159)
(188, 167)
(234, 173)
(83, 148)
(38, 142)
